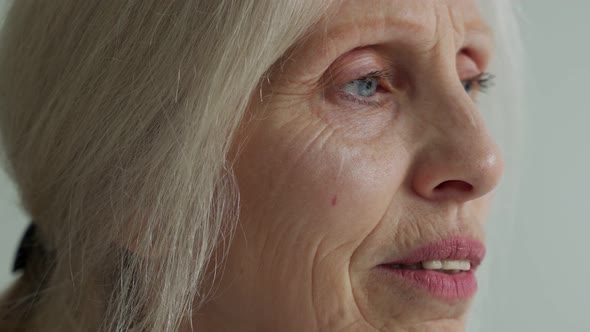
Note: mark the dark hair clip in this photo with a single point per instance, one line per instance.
(27, 243)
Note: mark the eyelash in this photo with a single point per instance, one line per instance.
(481, 83)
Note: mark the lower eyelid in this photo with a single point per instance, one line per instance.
(348, 97)
(363, 102)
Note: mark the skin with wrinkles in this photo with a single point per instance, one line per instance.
(331, 188)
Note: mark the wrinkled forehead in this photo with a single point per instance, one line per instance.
(418, 25)
(420, 21)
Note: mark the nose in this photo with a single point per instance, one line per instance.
(458, 159)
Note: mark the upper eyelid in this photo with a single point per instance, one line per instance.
(367, 60)
(378, 62)
(479, 46)
(377, 74)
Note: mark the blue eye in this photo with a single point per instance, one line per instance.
(481, 82)
(374, 89)
(364, 87)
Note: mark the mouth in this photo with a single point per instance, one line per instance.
(444, 269)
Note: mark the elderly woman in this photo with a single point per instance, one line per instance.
(224, 165)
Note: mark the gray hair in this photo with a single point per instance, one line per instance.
(116, 120)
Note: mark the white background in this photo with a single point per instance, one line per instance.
(537, 277)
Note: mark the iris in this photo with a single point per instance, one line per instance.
(365, 87)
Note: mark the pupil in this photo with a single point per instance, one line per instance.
(367, 87)
(467, 86)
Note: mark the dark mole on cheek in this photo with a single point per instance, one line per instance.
(334, 200)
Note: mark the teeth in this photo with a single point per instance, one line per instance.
(432, 265)
(458, 265)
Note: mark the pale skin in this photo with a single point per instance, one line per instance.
(332, 186)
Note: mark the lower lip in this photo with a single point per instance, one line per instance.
(450, 287)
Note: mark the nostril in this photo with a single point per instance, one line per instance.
(454, 185)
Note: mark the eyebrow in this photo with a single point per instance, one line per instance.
(331, 39)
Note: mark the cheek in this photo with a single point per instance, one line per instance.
(307, 178)
(347, 188)
(310, 195)
(481, 207)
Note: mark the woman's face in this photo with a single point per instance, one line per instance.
(365, 178)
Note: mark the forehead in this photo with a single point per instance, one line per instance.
(416, 21)
(417, 28)
(413, 13)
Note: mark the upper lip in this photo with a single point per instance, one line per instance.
(449, 249)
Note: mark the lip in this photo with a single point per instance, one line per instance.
(450, 287)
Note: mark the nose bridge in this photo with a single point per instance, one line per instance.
(458, 159)
(456, 117)
(449, 108)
